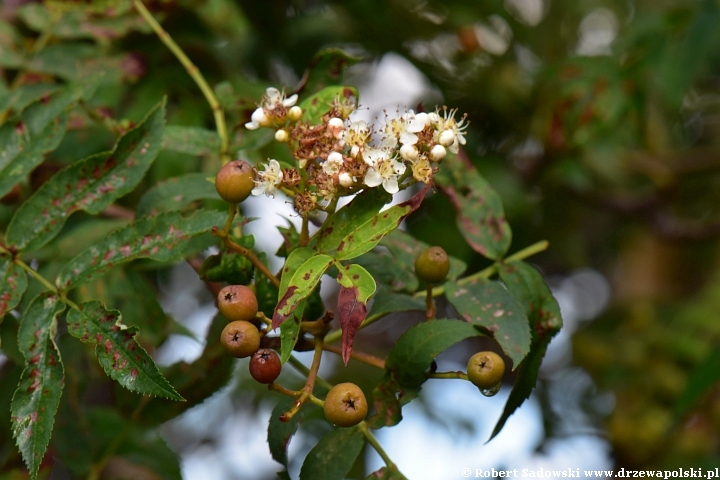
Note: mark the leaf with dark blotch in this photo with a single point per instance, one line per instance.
(356, 288)
(90, 184)
(28, 149)
(301, 284)
(38, 394)
(386, 301)
(333, 456)
(489, 305)
(190, 140)
(160, 238)
(416, 349)
(176, 193)
(290, 332)
(362, 208)
(388, 398)
(119, 353)
(364, 237)
(480, 216)
(13, 282)
(317, 105)
(280, 433)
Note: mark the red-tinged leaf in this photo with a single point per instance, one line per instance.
(361, 209)
(526, 283)
(333, 456)
(38, 395)
(356, 287)
(90, 184)
(161, 238)
(13, 282)
(301, 285)
(489, 305)
(480, 215)
(119, 353)
(387, 473)
(364, 238)
(290, 331)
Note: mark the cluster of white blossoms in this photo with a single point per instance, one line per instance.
(340, 157)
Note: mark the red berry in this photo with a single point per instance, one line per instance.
(265, 365)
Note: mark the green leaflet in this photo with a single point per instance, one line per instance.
(13, 282)
(38, 394)
(190, 140)
(290, 331)
(120, 355)
(319, 104)
(480, 215)
(159, 238)
(176, 193)
(386, 301)
(90, 184)
(333, 456)
(300, 286)
(526, 283)
(362, 208)
(489, 305)
(364, 237)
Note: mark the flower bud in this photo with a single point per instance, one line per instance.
(447, 138)
(409, 152)
(345, 180)
(437, 153)
(282, 136)
(295, 113)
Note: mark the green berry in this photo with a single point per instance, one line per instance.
(485, 369)
(345, 405)
(432, 265)
(234, 182)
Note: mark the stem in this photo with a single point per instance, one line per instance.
(298, 365)
(335, 335)
(461, 375)
(526, 252)
(360, 356)
(363, 427)
(250, 255)
(429, 303)
(36, 275)
(193, 71)
(304, 232)
(307, 390)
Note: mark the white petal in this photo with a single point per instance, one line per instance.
(373, 178)
(390, 185)
(252, 126)
(446, 138)
(407, 138)
(290, 101)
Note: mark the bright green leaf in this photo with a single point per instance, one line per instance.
(290, 333)
(119, 353)
(301, 285)
(38, 395)
(176, 193)
(90, 184)
(489, 305)
(319, 104)
(333, 456)
(160, 238)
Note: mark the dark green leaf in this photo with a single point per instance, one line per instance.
(13, 282)
(22, 96)
(301, 285)
(176, 193)
(280, 433)
(406, 248)
(365, 236)
(386, 301)
(159, 238)
(77, 62)
(387, 270)
(327, 69)
(190, 140)
(290, 332)
(361, 209)
(416, 349)
(701, 380)
(90, 184)
(119, 353)
(488, 304)
(480, 215)
(388, 398)
(333, 456)
(387, 473)
(317, 105)
(38, 395)
(229, 266)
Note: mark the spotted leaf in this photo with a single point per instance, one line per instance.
(13, 282)
(38, 394)
(356, 287)
(90, 184)
(119, 353)
(301, 285)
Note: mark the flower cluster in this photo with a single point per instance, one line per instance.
(338, 157)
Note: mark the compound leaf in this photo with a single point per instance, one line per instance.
(161, 238)
(489, 305)
(90, 184)
(333, 456)
(38, 394)
(119, 353)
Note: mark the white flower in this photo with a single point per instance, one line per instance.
(266, 111)
(268, 179)
(334, 162)
(356, 136)
(448, 132)
(384, 169)
(403, 129)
